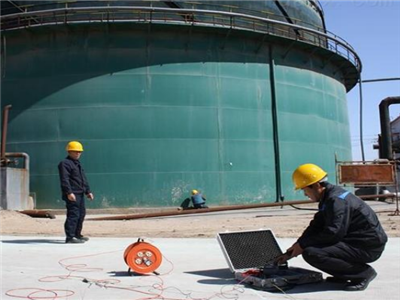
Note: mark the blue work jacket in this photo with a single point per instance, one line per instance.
(72, 178)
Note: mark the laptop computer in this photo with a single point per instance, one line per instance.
(250, 254)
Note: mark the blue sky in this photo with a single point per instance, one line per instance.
(373, 29)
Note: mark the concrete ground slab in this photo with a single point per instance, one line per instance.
(47, 268)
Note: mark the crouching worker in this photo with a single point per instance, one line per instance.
(198, 200)
(344, 236)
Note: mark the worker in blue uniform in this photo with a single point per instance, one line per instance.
(74, 188)
(344, 235)
(198, 200)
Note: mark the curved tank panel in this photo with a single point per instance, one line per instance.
(164, 109)
(300, 12)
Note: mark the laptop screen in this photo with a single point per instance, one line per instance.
(249, 249)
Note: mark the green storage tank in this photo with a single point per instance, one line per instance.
(226, 97)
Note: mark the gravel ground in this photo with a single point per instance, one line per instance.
(284, 222)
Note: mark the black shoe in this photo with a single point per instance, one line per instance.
(83, 238)
(360, 285)
(335, 280)
(74, 241)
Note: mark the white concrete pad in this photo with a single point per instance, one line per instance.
(46, 267)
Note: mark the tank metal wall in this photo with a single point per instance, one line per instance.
(313, 120)
(160, 113)
(300, 12)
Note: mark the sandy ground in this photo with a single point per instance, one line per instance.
(284, 222)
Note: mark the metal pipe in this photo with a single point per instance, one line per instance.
(381, 79)
(4, 133)
(20, 154)
(361, 120)
(390, 195)
(197, 211)
(38, 213)
(274, 109)
(386, 135)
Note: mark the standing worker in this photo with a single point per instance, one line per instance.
(74, 186)
(198, 200)
(344, 235)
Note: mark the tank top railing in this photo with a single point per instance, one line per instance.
(179, 16)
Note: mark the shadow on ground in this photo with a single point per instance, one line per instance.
(34, 241)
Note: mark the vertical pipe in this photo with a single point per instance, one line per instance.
(361, 121)
(3, 57)
(4, 132)
(386, 144)
(386, 136)
(23, 155)
(279, 196)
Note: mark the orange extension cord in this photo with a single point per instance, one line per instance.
(134, 251)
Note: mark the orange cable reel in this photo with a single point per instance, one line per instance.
(142, 257)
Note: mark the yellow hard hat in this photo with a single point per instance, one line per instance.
(74, 146)
(195, 192)
(306, 175)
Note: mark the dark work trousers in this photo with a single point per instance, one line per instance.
(76, 212)
(342, 260)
